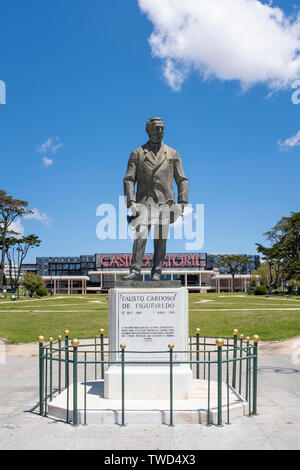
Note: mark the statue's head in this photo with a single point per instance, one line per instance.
(155, 128)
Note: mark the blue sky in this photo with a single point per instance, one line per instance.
(83, 75)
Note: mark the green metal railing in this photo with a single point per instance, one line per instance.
(232, 362)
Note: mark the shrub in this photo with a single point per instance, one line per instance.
(260, 290)
(42, 292)
(32, 283)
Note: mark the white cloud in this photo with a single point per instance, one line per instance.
(47, 161)
(36, 215)
(52, 145)
(249, 41)
(17, 227)
(291, 142)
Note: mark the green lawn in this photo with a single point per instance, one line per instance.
(215, 314)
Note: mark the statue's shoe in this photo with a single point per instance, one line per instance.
(131, 277)
(156, 277)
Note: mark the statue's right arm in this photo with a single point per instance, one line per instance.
(130, 179)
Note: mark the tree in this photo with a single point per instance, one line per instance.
(283, 255)
(288, 230)
(32, 282)
(16, 251)
(10, 209)
(269, 273)
(234, 264)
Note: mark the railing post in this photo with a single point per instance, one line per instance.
(197, 353)
(123, 347)
(41, 371)
(247, 339)
(85, 359)
(235, 333)
(95, 358)
(241, 363)
(208, 392)
(51, 367)
(102, 352)
(220, 343)
(75, 344)
(171, 347)
(59, 363)
(256, 340)
(67, 333)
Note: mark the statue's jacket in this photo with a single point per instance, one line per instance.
(154, 176)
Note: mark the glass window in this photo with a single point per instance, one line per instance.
(193, 280)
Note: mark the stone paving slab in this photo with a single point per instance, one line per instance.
(276, 427)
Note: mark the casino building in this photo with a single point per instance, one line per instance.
(98, 273)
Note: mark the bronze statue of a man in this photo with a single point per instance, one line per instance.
(153, 168)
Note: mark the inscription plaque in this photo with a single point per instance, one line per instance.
(148, 321)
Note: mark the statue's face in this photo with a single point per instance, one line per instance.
(156, 132)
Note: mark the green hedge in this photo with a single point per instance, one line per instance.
(260, 290)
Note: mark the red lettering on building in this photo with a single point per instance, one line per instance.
(171, 261)
(122, 262)
(175, 261)
(103, 263)
(114, 261)
(187, 261)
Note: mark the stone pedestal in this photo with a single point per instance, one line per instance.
(147, 317)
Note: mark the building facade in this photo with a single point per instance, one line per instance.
(13, 271)
(98, 273)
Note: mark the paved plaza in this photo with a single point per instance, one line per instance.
(276, 427)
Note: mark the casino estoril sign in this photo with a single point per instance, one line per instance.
(113, 261)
